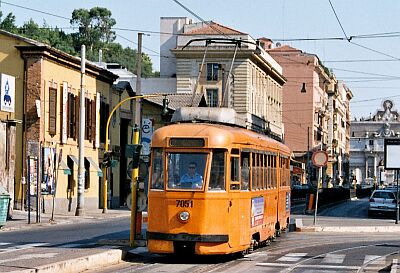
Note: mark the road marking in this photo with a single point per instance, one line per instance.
(292, 257)
(394, 266)
(20, 247)
(369, 258)
(318, 266)
(29, 256)
(333, 258)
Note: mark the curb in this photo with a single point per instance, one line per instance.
(106, 258)
(350, 229)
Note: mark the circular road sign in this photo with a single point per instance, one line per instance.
(319, 158)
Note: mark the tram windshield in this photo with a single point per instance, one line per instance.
(186, 170)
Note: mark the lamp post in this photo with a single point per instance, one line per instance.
(106, 145)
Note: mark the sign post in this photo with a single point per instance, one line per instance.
(392, 162)
(319, 159)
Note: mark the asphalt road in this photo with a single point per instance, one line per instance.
(27, 249)
(294, 252)
(89, 232)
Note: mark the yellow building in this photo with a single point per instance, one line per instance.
(47, 90)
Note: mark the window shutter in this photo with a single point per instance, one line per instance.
(94, 115)
(76, 118)
(69, 115)
(52, 111)
(87, 124)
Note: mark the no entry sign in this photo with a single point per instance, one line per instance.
(319, 158)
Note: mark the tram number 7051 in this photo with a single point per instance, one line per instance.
(184, 203)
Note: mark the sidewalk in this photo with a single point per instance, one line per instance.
(20, 218)
(104, 254)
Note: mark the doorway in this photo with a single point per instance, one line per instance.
(124, 182)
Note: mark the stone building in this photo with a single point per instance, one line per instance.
(315, 112)
(367, 146)
(47, 92)
(236, 72)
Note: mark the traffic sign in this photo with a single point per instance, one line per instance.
(319, 158)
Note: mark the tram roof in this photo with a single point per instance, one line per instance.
(216, 135)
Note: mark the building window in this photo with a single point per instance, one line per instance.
(72, 115)
(212, 72)
(212, 97)
(90, 119)
(52, 111)
(371, 142)
(87, 174)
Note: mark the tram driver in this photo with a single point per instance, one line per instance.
(191, 179)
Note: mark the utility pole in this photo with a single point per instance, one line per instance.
(138, 109)
(81, 169)
(308, 156)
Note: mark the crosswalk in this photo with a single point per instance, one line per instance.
(331, 262)
(7, 247)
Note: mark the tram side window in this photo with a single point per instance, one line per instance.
(217, 177)
(234, 173)
(245, 166)
(265, 167)
(262, 171)
(157, 170)
(253, 172)
(273, 171)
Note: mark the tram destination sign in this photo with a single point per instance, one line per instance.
(392, 153)
(187, 142)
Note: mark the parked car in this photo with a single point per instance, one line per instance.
(382, 201)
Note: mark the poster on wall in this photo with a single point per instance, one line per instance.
(32, 175)
(7, 93)
(47, 185)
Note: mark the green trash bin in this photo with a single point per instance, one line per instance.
(4, 202)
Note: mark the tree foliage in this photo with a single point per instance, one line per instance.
(8, 23)
(94, 29)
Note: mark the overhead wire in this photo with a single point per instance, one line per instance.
(337, 18)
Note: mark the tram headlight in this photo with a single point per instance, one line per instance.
(184, 216)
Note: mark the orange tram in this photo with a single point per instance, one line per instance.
(216, 189)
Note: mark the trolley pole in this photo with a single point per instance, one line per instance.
(81, 168)
(138, 105)
(135, 175)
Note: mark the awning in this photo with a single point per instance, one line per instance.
(92, 163)
(76, 161)
(95, 166)
(64, 167)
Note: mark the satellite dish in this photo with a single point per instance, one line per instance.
(278, 44)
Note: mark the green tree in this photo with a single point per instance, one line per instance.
(8, 23)
(53, 37)
(94, 27)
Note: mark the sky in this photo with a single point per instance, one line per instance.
(369, 63)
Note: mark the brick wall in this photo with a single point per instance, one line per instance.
(34, 130)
